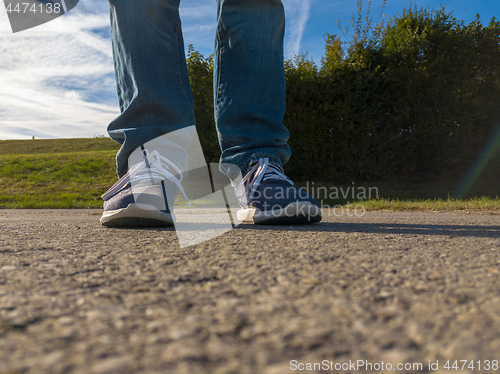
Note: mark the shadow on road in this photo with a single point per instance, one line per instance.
(363, 227)
(388, 228)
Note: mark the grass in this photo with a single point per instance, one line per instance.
(49, 146)
(482, 203)
(56, 173)
(60, 180)
(74, 173)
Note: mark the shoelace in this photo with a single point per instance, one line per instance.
(157, 168)
(260, 171)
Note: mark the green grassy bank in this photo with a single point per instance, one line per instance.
(56, 173)
(74, 173)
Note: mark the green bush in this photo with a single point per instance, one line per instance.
(417, 96)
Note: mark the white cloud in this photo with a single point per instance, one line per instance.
(297, 15)
(198, 24)
(57, 79)
(198, 10)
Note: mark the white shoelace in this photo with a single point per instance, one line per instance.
(259, 172)
(157, 169)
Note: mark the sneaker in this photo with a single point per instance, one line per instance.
(139, 198)
(269, 197)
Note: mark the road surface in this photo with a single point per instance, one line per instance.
(413, 290)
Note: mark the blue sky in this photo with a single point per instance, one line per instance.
(57, 80)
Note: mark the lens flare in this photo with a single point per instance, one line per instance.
(478, 167)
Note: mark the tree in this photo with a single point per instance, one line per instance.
(201, 76)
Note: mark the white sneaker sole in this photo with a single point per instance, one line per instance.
(300, 212)
(137, 215)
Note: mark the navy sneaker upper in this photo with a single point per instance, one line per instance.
(265, 187)
(272, 194)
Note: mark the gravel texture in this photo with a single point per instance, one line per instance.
(408, 288)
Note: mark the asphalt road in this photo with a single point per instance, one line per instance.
(404, 289)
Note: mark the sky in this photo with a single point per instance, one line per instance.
(57, 79)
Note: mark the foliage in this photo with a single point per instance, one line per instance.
(364, 31)
(201, 72)
(414, 96)
(446, 75)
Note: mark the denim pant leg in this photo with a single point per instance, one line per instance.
(249, 83)
(152, 78)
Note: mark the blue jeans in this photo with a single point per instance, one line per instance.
(153, 82)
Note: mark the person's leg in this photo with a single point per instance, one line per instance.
(152, 78)
(156, 123)
(249, 83)
(249, 90)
